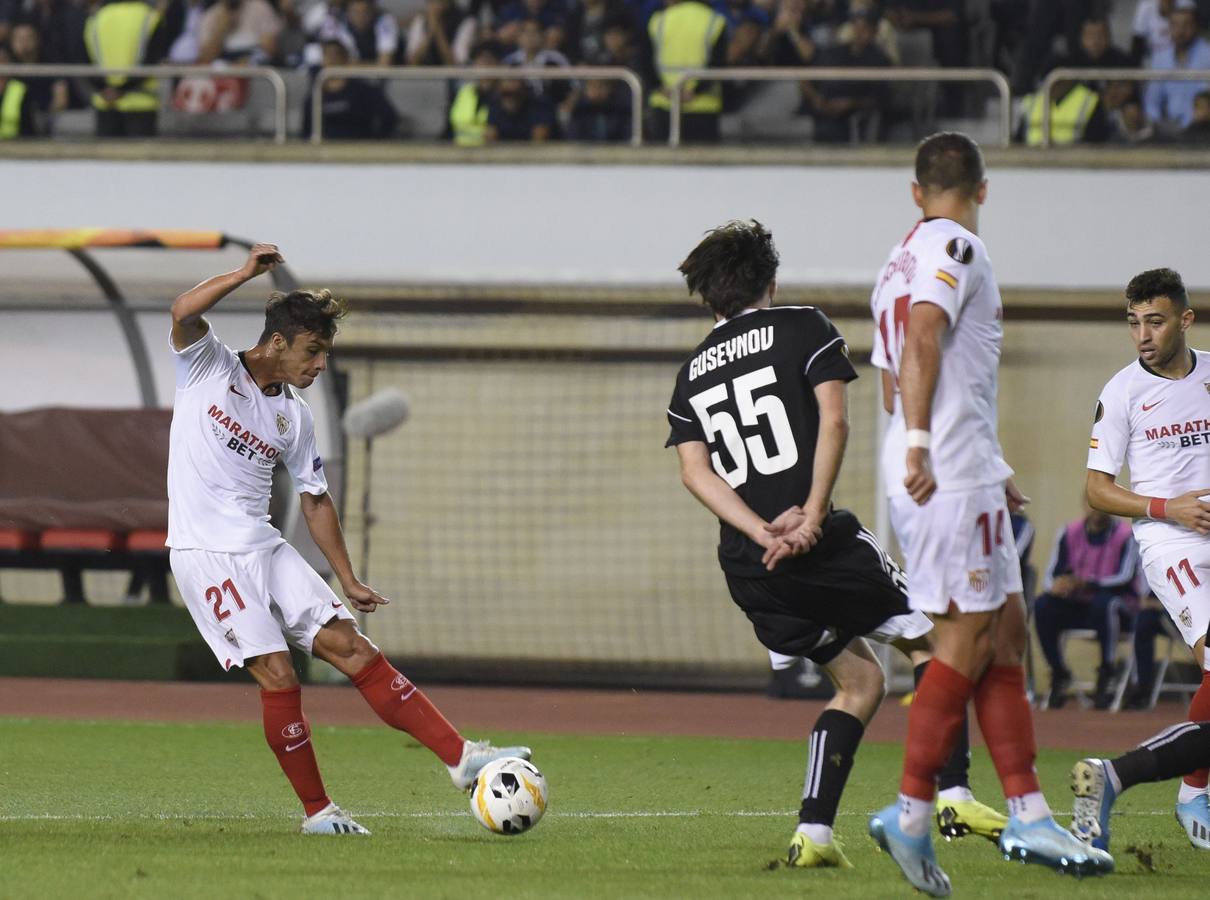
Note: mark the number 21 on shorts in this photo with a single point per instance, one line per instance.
(214, 596)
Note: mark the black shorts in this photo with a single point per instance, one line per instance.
(845, 587)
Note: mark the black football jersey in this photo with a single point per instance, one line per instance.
(747, 392)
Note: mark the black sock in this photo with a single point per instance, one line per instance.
(1174, 752)
(834, 741)
(956, 771)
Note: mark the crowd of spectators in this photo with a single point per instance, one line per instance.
(657, 39)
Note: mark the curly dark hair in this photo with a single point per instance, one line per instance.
(947, 161)
(1157, 283)
(732, 267)
(302, 311)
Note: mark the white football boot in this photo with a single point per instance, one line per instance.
(332, 820)
(476, 755)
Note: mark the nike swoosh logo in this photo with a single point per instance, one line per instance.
(403, 697)
(292, 747)
(234, 391)
(1149, 407)
(336, 606)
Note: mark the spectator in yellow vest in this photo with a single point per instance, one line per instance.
(687, 35)
(123, 33)
(17, 118)
(1076, 116)
(469, 111)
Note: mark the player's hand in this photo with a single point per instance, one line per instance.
(797, 531)
(261, 258)
(1016, 499)
(1063, 586)
(920, 483)
(363, 597)
(1189, 511)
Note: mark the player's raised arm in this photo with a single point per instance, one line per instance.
(918, 375)
(187, 310)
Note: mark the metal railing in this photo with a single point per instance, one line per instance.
(166, 71)
(807, 73)
(1057, 75)
(474, 73)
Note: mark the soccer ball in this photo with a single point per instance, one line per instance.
(509, 796)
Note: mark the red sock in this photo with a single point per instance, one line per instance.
(1008, 728)
(401, 705)
(289, 737)
(1199, 711)
(934, 721)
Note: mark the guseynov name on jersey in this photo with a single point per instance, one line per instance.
(728, 351)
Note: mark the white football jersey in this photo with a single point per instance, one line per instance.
(1160, 428)
(226, 437)
(940, 262)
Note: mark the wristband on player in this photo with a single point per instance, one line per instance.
(1157, 507)
(918, 438)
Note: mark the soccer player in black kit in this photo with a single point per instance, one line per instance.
(759, 422)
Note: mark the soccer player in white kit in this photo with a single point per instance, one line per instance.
(939, 333)
(1154, 416)
(249, 592)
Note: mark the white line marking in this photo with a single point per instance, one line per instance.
(635, 814)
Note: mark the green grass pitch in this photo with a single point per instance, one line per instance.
(123, 810)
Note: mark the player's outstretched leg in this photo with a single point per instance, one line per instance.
(958, 812)
(403, 706)
(1032, 835)
(1097, 783)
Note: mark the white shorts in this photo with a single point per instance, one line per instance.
(249, 604)
(1180, 577)
(958, 547)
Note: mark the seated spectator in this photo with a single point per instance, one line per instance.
(789, 42)
(532, 52)
(552, 14)
(441, 36)
(354, 109)
(187, 48)
(49, 95)
(1171, 102)
(887, 38)
(1198, 129)
(623, 46)
(469, 110)
(687, 34)
(1149, 30)
(1091, 583)
(517, 114)
(837, 105)
(1076, 116)
(747, 27)
(944, 19)
(240, 31)
(601, 113)
(587, 28)
(1045, 21)
(1129, 124)
(1095, 51)
(375, 32)
(18, 115)
(60, 27)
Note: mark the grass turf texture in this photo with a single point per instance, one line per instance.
(111, 809)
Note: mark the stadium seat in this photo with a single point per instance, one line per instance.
(147, 540)
(82, 539)
(16, 540)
